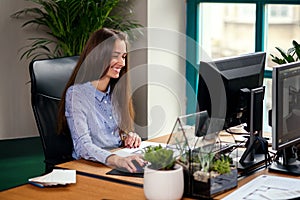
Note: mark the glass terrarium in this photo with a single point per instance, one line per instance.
(204, 154)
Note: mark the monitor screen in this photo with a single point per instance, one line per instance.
(286, 105)
(239, 74)
(286, 117)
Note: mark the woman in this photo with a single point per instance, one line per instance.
(96, 106)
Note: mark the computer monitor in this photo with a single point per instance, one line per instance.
(242, 80)
(240, 74)
(286, 117)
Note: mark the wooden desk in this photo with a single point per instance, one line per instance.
(85, 188)
(98, 170)
(94, 188)
(98, 185)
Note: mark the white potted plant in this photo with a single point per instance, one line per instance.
(163, 178)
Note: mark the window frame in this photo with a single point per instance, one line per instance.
(192, 27)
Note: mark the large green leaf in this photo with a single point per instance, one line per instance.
(292, 54)
(297, 49)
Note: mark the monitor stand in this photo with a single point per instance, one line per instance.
(256, 152)
(251, 158)
(291, 168)
(286, 162)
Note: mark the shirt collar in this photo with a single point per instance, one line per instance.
(100, 95)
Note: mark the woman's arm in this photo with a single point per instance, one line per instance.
(77, 105)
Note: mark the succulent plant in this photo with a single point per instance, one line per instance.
(159, 158)
(222, 165)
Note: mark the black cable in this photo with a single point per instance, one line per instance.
(234, 133)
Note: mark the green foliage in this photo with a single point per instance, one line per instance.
(209, 161)
(68, 24)
(292, 54)
(159, 157)
(222, 165)
(206, 160)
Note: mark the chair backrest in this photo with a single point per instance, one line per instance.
(48, 80)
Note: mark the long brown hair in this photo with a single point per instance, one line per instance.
(93, 63)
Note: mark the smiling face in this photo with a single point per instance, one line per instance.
(117, 59)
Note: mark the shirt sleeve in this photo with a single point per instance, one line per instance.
(76, 113)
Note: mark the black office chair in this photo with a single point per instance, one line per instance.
(48, 80)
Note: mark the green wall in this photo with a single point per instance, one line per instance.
(20, 159)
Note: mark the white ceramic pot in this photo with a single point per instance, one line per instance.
(163, 184)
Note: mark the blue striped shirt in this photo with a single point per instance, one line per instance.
(91, 122)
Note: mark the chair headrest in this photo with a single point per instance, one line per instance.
(50, 76)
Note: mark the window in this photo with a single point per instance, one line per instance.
(282, 13)
(227, 27)
(283, 27)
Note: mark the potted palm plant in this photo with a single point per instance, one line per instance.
(163, 178)
(66, 24)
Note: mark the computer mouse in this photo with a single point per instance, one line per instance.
(139, 168)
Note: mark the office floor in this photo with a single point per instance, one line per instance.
(20, 159)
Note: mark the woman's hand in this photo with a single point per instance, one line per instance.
(125, 162)
(132, 140)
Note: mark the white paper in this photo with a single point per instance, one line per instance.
(267, 187)
(56, 177)
(277, 195)
(124, 152)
